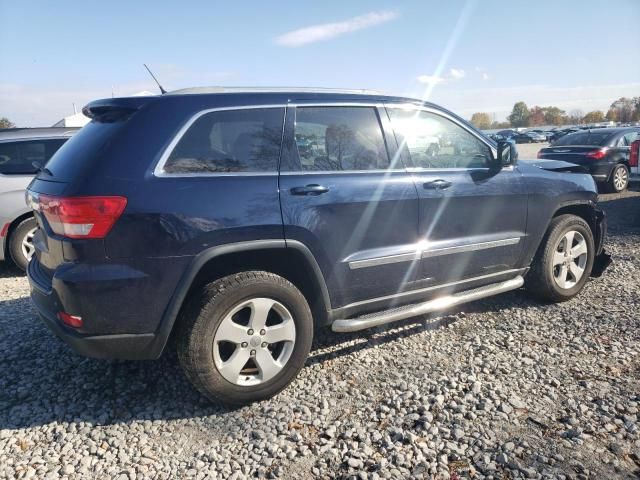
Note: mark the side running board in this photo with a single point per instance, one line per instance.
(442, 303)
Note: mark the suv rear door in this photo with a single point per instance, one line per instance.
(346, 195)
(472, 217)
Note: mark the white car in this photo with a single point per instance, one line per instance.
(20, 149)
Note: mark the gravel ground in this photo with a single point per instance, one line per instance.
(504, 388)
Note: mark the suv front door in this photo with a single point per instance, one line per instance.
(472, 217)
(346, 195)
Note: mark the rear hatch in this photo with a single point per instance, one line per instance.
(63, 177)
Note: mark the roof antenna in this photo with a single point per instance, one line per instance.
(162, 90)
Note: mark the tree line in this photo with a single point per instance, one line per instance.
(622, 110)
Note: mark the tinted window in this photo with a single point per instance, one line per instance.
(75, 157)
(584, 138)
(433, 141)
(18, 157)
(340, 138)
(629, 138)
(230, 141)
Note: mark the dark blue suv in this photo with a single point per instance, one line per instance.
(237, 221)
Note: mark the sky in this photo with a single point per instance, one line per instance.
(466, 55)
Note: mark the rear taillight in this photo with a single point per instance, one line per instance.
(81, 217)
(598, 154)
(71, 320)
(635, 151)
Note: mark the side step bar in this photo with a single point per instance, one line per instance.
(389, 316)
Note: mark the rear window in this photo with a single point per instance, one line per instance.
(584, 138)
(71, 160)
(17, 158)
(246, 140)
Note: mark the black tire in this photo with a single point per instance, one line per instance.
(16, 238)
(205, 312)
(540, 280)
(620, 169)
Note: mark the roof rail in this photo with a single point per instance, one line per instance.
(214, 89)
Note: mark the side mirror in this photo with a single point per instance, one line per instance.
(507, 154)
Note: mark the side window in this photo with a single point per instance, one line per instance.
(16, 158)
(433, 141)
(340, 138)
(230, 141)
(628, 139)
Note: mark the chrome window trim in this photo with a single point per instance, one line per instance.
(436, 252)
(433, 287)
(435, 111)
(159, 171)
(34, 139)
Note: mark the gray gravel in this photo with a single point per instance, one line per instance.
(503, 388)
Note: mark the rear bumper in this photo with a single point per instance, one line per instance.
(600, 171)
(120, 310)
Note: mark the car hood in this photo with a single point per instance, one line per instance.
(556, 165)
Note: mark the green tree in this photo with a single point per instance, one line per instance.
(481, 120)
(536, 117)
(519, 115)
(6, 123)
(553, 115)
(626, 109)
(595, 116)
(575, 116)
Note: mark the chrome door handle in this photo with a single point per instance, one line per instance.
(309, 190)
(438, 184)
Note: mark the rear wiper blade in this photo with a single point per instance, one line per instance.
(39, 168)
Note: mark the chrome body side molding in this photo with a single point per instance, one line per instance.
(426, 252)
(438, 304)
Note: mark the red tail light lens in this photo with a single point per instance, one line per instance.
(597, 154)
(81, 217)
(71, 320)
(635, 151)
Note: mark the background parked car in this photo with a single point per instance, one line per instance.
(605, 152)
(19, 149)
(546, 134)
(529, 137)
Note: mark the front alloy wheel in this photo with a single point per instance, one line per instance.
(564, 260)
(569, 259)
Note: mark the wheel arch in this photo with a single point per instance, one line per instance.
(590, 213)
(289, 259)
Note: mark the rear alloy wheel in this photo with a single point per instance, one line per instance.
(564, 260)
(619, 180)
(244, 337)
(21, 245)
